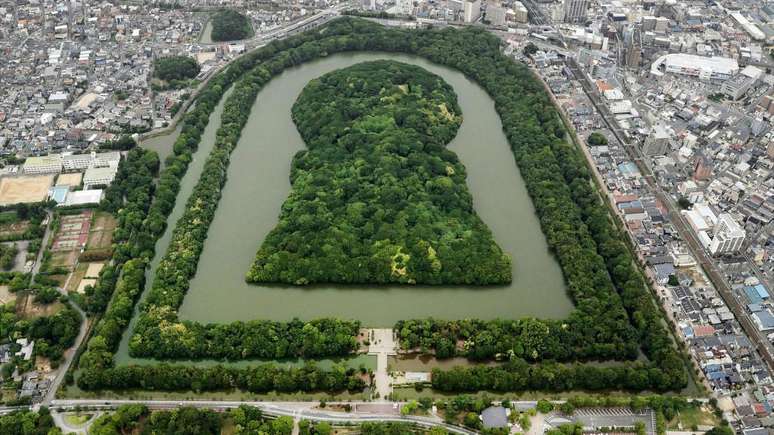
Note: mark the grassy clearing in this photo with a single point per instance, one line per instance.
(694, 417)
(101, 232)
(64, 259)
(77, 419)
(29, 310)
(76, 276)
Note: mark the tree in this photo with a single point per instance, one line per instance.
(174, 68)
(230, 25)
(720, 430)
(596, 139)
(544, 406)
(471, 420)
(530, 49)
(401, 189)
(684, 203)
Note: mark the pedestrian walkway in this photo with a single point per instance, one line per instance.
(382, 344)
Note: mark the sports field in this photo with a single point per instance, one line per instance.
(25, 188)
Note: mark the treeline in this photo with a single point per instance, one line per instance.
(129, 199)
(158, 332)
(230, 25)
(609, 292)
(53, 334)
(518, 375)
(241, 340)
(243, 420)
(147, 222)
(261, 378)
(35, 213)
(27, 422)
(189, 420)
(546, 163)
(527, 338)
(401, 211)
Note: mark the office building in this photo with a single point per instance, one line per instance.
(575, 11)
(739, 84)
(520, 13)
(472, 11)
(728, 237)
(657, 144)
(495, 15)
(705, 68)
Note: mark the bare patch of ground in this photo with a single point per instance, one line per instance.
(25, 188)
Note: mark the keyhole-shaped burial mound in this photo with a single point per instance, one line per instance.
(377, 198)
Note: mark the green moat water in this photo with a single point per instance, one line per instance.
(258, 184)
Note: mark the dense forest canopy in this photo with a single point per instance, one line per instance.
(377, 197)
(614, 315)
(230, 25)
(175, 68)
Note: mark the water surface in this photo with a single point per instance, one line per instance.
(258, 183)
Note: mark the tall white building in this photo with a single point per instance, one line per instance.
(495, 15)
(728, 237)
(472, 11)
(520, 13)
(574, 10)
(657, 143)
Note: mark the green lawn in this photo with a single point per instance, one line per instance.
(77, 420)
(693, 417)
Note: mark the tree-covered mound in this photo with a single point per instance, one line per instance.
(175, 68)
(230, 25)
(377, 197)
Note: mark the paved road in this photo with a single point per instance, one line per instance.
(61, 423)
(85, 324)
(43, 246)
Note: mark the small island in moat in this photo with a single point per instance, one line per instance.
(377, 198)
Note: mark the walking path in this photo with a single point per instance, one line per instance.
(382, 345)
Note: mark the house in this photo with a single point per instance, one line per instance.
(494, 416)
(26, 348)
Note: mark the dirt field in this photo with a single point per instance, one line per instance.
(64, 258)
(69, 179)
(25, 188)
(8, 230)
(75, 277)
(73, 232)
(30, 310)
(94, 269)
(85, 282)
(42, 364)
(101, 234)
(5, 295)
